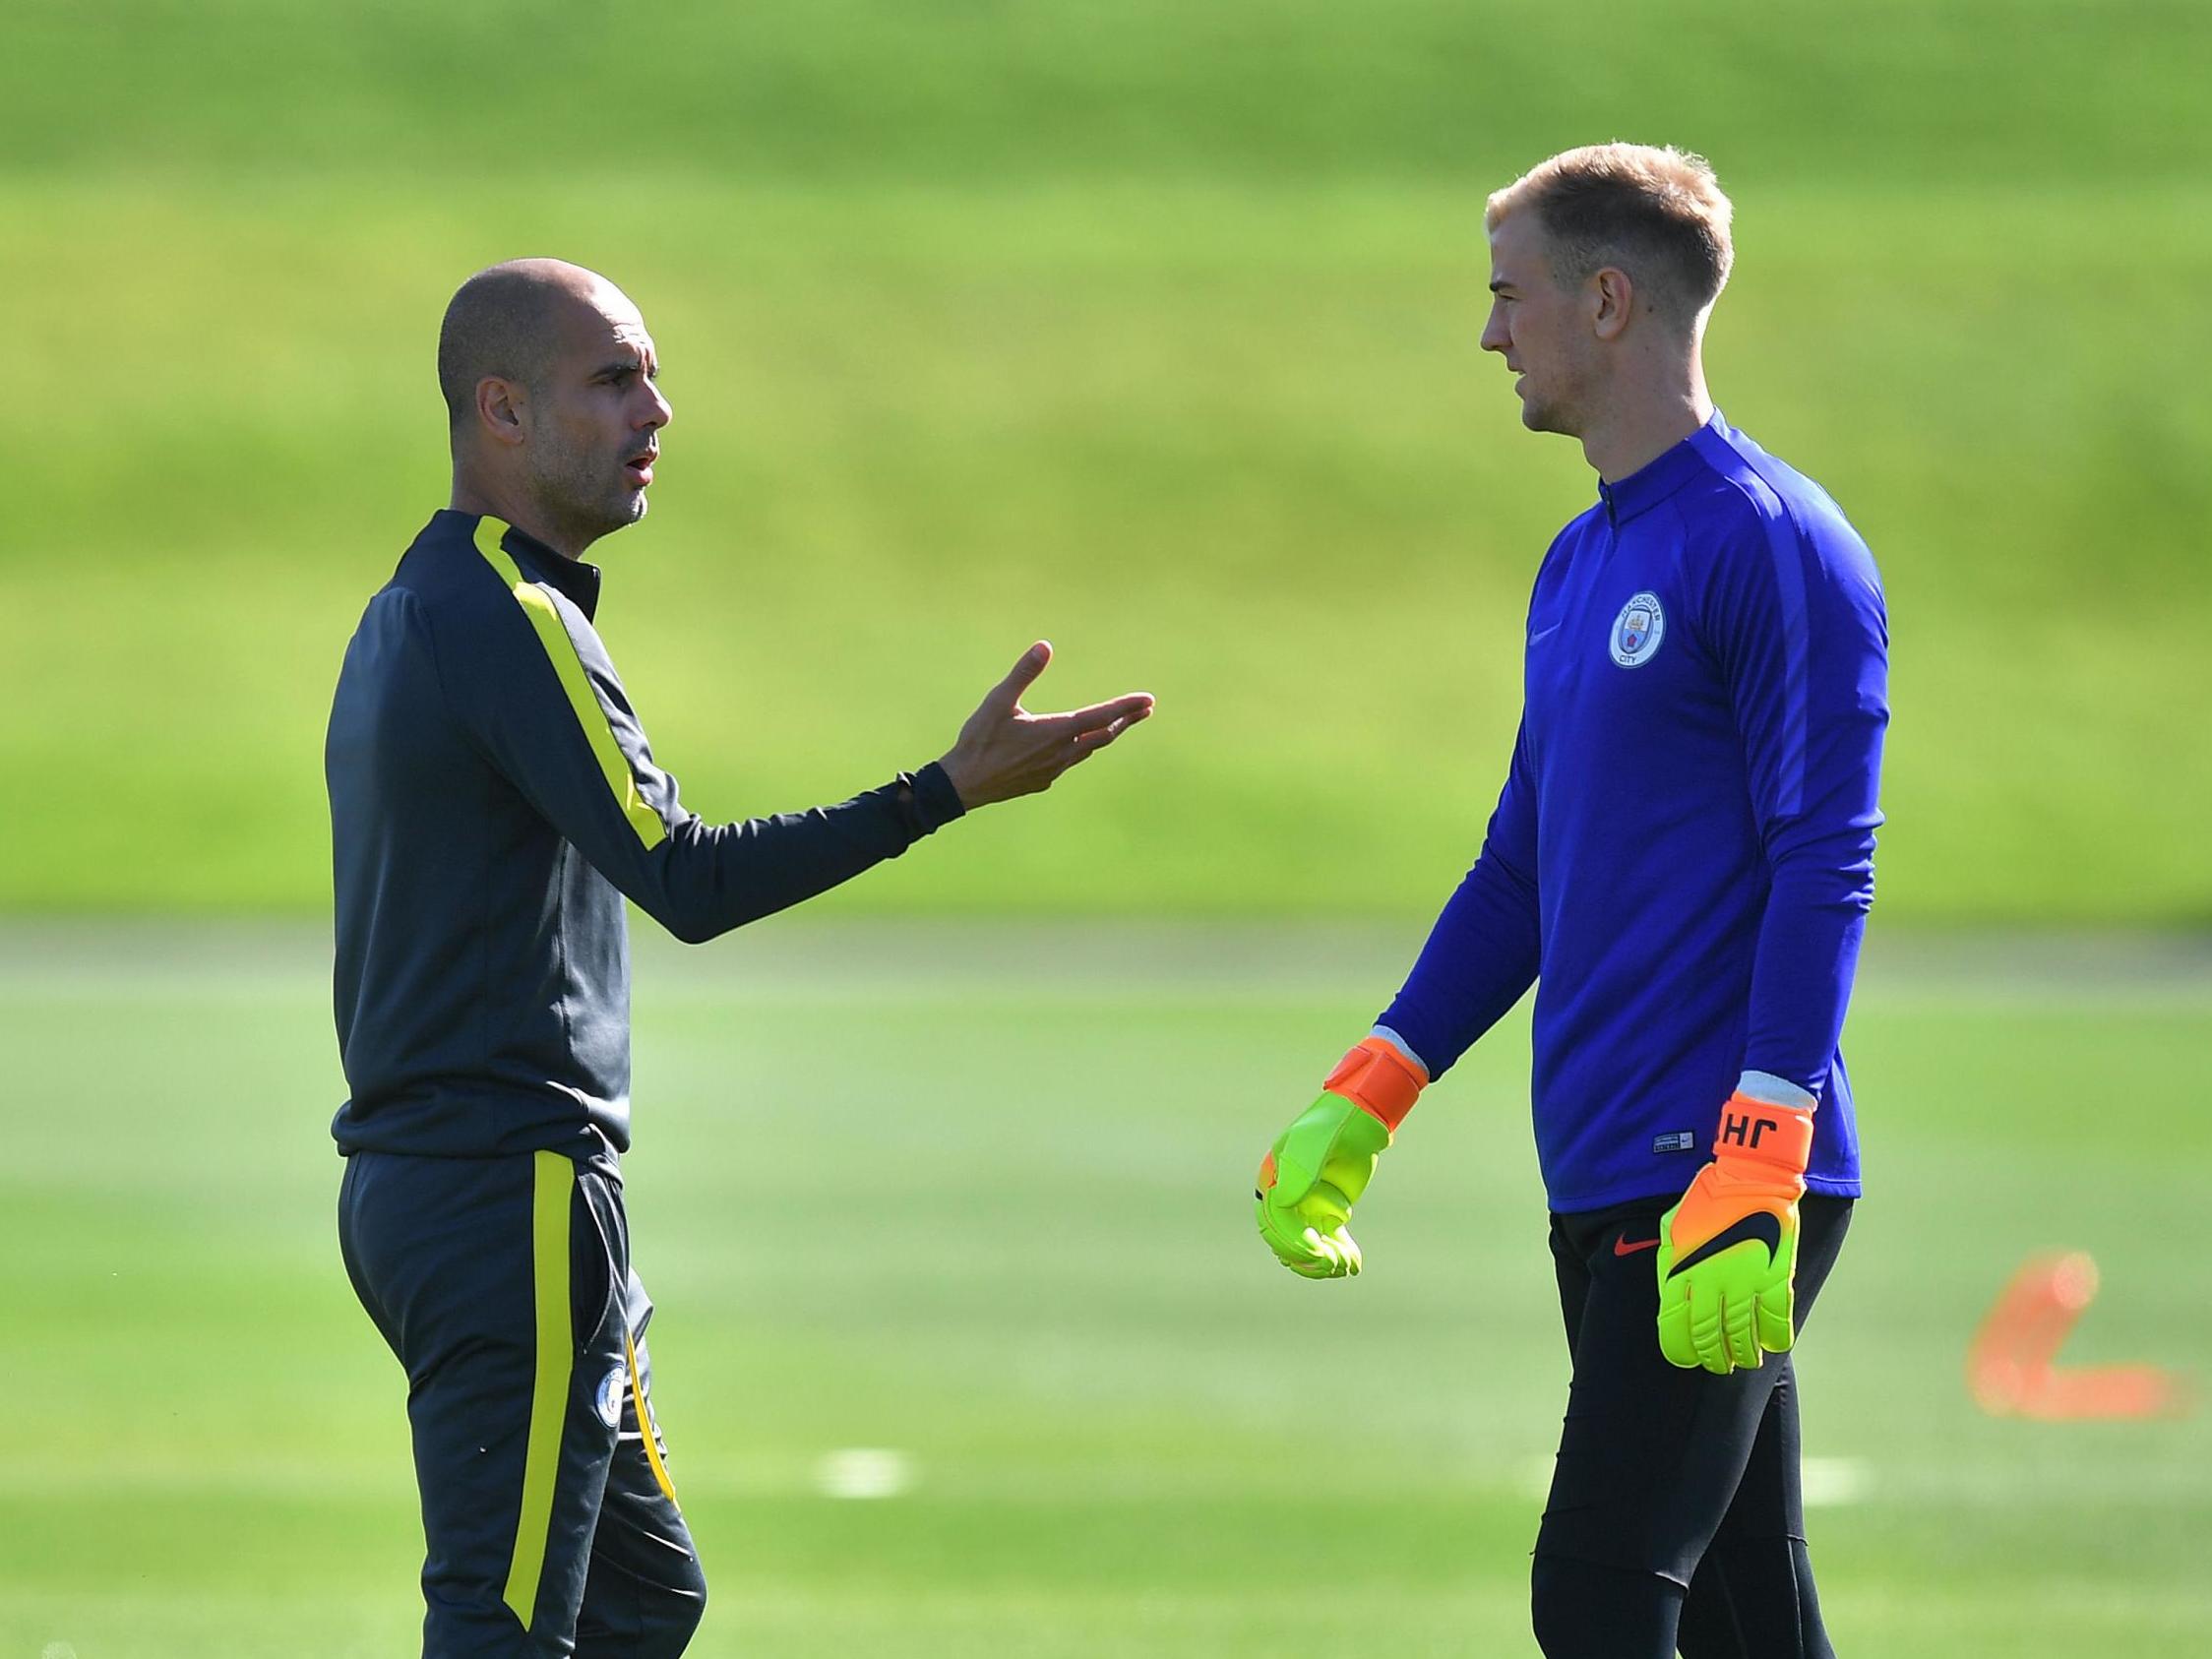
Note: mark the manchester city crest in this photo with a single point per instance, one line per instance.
(609, 1397)
(1637, 631)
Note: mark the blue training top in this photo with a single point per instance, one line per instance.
(1682, 853)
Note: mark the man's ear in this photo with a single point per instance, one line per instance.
(499, 410)
(1614, 298)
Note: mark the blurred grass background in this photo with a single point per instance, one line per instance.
(1149, 328)
(922, 1189)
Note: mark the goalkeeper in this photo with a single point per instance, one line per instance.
(1682, 861)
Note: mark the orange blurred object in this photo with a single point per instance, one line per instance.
(2010, 1370)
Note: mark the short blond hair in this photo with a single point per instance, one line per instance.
(1656, 212)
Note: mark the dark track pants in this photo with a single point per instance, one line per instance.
(504, 1287)
(1676, 1514)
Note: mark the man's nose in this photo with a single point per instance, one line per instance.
(661, 411)
(1495, 336)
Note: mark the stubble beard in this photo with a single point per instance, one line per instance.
(1539, 417)
(1551, 415)
(580, 500)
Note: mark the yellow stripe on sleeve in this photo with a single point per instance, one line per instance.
(560, 649)
(555, 1179)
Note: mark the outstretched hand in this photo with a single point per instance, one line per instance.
(1004, 751)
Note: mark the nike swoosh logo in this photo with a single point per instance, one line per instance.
(1761, 1226)
(1544, 633)
(1622, 1245)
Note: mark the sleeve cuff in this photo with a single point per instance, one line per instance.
(1770, 1090)
(1403, 1047)
(936, 803)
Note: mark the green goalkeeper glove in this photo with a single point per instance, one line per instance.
(1727, 1249)
(1319, 1166)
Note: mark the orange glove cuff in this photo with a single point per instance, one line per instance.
(1379, 1080)
(1762, 1132)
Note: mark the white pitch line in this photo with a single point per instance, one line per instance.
(1832, 1482)
(1827, 1482)
(864, 1471)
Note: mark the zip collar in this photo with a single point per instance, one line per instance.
(1657, 479)
(572, 579)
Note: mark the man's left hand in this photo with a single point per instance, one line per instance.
(1003, 750)
(1727, 1249)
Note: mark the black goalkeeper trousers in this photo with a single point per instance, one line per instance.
(504, 1287)
(1676, 1520)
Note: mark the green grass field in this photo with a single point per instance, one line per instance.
(1149, 328)
(979, 1196)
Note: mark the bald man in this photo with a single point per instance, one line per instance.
(493, 800)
